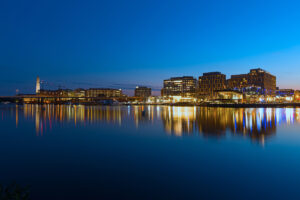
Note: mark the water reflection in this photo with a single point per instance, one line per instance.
(255, 123)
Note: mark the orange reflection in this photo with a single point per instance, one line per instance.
(255, 123)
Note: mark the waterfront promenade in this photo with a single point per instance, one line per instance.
(104, 101)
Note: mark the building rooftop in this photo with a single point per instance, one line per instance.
(211, 73)
(258, 70)
(142, 87)
(103, 89)
(179, 78)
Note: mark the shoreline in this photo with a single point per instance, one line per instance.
(237, 105)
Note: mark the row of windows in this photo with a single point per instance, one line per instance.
(212, 86)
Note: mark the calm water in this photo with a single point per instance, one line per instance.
(120, 152)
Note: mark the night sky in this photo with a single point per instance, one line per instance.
(121, 44)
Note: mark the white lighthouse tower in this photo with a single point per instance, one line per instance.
(38, 85)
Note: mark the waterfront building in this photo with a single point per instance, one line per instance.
(48, 93)
(38, 85)
(56, 93)
(258, 78)
(251, 90)
(297, 96)
(179, 86)
(285, 92)
(229, 96)
(285, 95)
(79, 92)
(156, 100)
(141, 91)
(211, 82)
(103, 92)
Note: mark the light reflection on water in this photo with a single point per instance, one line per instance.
(155, 152)
(255, 123)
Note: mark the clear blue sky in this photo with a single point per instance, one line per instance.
(126, 43)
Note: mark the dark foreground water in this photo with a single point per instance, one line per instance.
(151, 152)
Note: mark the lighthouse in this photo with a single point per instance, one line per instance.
(38, 85)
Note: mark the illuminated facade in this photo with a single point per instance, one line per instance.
(211, 82)
(79, 92)
(56, 93)
(93, 92)
(230, 96)
(257, 86)
(179, 86)
(103, 92)
(258, 78)
(297, 96)
(285, 96)
(285, 92)
(142, 92)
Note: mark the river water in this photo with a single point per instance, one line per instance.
(151, 152)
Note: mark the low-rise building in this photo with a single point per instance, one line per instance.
(103, 92)
(229, 96)
(56, 93)
(285, 95)
(79, 92)
(297, 96)
(285, 92)
(141, 91)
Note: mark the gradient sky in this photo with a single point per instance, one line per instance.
(122, 44)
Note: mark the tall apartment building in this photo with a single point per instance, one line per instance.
(103, 92)
(211, 82)
(257, 78)
(179, 86)
(141, 91)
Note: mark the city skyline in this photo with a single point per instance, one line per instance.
(158, 40)
(129, 89)
(149, 99)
